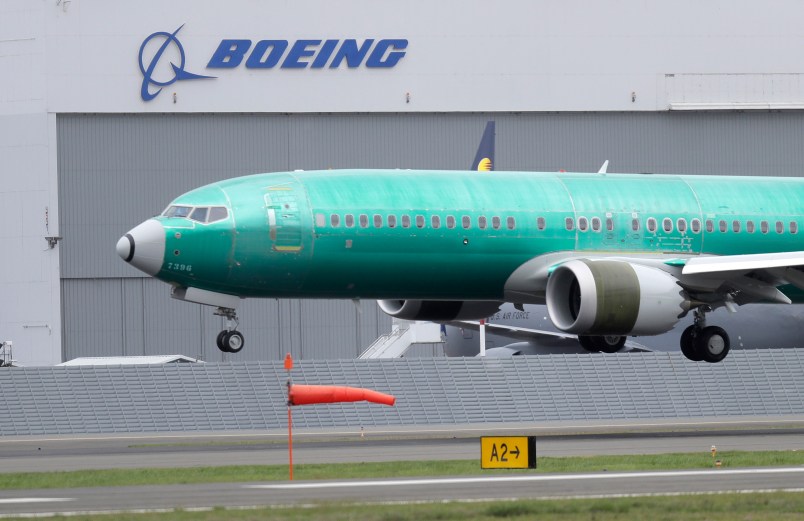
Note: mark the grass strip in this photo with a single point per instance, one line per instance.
(396, 469)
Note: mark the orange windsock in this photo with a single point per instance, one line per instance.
(309, 394)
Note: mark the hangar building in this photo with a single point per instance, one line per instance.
(108, 110)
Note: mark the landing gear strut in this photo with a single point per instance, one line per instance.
(701, 342)
(229, 340)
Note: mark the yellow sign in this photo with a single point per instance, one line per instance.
(508, 452)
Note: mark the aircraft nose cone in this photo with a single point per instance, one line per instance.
(144, 247)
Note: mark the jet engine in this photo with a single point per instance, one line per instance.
(439, 310)
(609, 297)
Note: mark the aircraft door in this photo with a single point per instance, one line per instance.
(284, 218)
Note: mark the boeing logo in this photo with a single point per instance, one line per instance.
(178, 70)
(269, 54)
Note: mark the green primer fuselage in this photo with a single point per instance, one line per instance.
(280, 240)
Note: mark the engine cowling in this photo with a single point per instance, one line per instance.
(439, 310)
(609, 297)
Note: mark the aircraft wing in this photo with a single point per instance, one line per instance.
(770, 262)
(754, 277)
(520, 333)
(531, 335)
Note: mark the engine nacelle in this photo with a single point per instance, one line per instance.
(609, 297)
(439, 310)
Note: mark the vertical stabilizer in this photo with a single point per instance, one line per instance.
(484, 159)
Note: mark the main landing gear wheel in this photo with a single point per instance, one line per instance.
(688, 344)
(700, 342)
(712, 344)
(601, 344)
(230, 341)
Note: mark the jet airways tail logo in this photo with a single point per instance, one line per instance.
(177, 71)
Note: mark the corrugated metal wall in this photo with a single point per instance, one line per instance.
(535, 389)
(117, 170)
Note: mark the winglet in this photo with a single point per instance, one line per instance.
(484, 159)
(604, 168)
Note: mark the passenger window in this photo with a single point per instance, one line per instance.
(681, 225)
(667, 224)
(363, 220)
(392, 221)
(651, 225)
(349, 220)
(595, 224)
(695, 225)
(710, 225)
(569, 224)
(749, 226)
(406, 221)
(764, 227)
(200, 214)
(635, 225)
(466, 221)
(495, 222)
(793, 227)
(609, 224)
(435, 221)
(481, 222)
(419, 221)
(540, 224)
(335, 220)
(723, 226)
(735, 225)
(779, 227)
(377, 221)
(320, 220)
(510, 222)
(583, 224)
(450, 222)
(219, 213)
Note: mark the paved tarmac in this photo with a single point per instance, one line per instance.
(212, 449)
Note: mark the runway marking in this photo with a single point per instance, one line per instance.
(518, 479)
(21, 500)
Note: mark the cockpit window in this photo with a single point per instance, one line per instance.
(217, 213)
(200, 214)
(178, 211)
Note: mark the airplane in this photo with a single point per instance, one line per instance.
(611, 255)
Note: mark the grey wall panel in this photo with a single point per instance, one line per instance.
(447, 391)
(132, 301)
(93, 317)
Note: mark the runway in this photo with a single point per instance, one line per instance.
(72, 453)
(37, 454)
(153, 498)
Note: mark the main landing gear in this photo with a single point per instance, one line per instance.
(601, 344)
(700, 342)
(229, 340)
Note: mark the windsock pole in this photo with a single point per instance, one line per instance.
(288, 367)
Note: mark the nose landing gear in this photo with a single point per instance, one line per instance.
(700, 342)
(229, 340)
